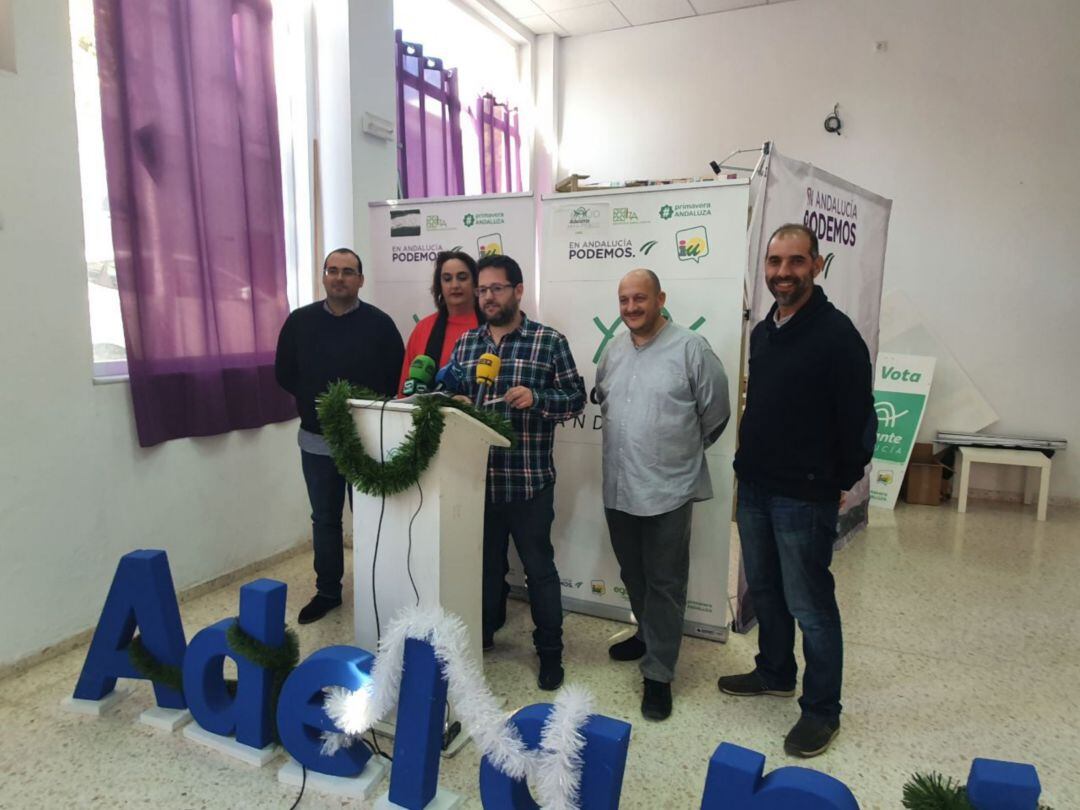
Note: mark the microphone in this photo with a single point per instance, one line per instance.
(421, 376)
(451, 378)
(487, 369)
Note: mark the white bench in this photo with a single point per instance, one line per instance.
(1030, 459)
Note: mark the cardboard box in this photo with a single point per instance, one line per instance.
(923, 453)
(923, 482)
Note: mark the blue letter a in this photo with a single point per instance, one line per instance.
(142, 596)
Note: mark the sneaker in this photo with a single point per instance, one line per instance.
(318, 607)
(656, 700)
(749, 685)
(811, 736)
(630, 649)
(551, 672)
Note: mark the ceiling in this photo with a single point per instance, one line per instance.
(575, 17)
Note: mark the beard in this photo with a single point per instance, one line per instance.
(786, 298)
(502, 314)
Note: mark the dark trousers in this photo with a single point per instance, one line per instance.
(787, 548)
(326, 490)
(529, 523)
(654, 563)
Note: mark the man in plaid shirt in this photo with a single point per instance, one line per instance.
(541, 387)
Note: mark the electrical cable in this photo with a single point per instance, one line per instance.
(303, 784)
(378, 530)
(408, 554)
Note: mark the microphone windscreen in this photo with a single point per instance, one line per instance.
(451, 377)
(487, 368)
(422, 368)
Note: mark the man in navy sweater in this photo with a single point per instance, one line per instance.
(805, 439)
(339, 338)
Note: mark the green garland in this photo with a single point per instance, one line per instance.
(936, 792)
(143, 661)
(407, 462)
(280, 660)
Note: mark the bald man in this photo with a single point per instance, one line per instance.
(664, 398)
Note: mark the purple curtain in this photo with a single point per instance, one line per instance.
(192, 159)
(429, 125)
(500, 146)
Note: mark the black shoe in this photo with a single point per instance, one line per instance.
(318, 607)
(487, 644)
(551, 672)
(656, 700)
(630, 649)
(811, 736)
(749, 685)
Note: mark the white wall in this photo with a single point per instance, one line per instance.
(371, 90)
(967, 121)
(76, 491)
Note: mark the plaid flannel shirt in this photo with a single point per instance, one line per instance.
(539, 358)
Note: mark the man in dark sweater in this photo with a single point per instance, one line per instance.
(805, 439)
(339, 338)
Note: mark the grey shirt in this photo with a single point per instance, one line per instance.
(662, 403)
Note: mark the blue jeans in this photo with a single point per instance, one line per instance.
(529, 522)
(326, 490)
(787, 548)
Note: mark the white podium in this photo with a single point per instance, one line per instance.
(446, 555)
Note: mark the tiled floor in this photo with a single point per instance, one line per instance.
(963, 640)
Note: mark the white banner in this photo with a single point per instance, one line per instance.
(694, 238)
(406, 235)
(852, 226)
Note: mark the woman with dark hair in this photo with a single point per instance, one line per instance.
(454, 289)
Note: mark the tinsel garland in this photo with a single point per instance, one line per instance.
(554, 769)
(408, 461)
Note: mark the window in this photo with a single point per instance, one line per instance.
(106, 327)
(486, 62)
(290, 56)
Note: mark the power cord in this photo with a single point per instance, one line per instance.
(408, 554)
(378, 530)
(303, 784)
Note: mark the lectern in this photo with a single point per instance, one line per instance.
(424, 544)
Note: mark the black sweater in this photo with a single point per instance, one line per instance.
(809, 427)
(316, 348)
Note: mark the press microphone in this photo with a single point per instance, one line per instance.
(487, 369)
(421, 376)
(451, 378)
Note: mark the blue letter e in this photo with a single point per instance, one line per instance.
(301, 718)
(141, 595)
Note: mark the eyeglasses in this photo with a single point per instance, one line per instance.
(494, 289)
(343, 272)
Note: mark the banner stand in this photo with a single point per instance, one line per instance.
(693, 236)
(852, 226)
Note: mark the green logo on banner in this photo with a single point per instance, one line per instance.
(666, 211)
(692, 244)
(898, 418)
